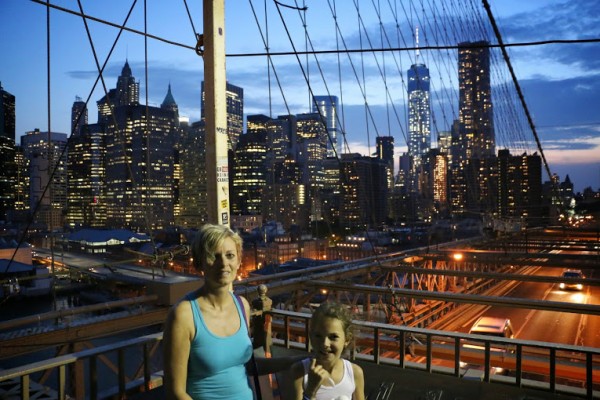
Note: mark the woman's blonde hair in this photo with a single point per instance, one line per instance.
(209, 239)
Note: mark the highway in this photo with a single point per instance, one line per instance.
(541, 325)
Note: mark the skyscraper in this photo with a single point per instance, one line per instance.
(86, 172)
(385, 152)
(519, 187)
(22, 186)
(364, 192)
(419, 112)
(79, 115)
(326, 106)
(475, 145)
(436, 183)
(8, 166)
(193, 198)
(169, 102)
(475, 99)
(140, 146)
(419, 136)
(419, 120)
(249, 172)
(311, 151)
(235, 113)
(7, 114)
(47, 176)
(127, 91)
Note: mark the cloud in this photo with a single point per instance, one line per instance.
(560, 20)
(566, 20)
(571, 101)
(581, 150)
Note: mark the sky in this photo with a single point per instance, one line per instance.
(560, 82)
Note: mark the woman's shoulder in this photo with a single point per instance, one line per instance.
(182, 310)
(244, 301)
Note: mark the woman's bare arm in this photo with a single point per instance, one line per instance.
(177, 339)
(276, 364)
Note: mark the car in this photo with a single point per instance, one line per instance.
(492, 326)
(572, 274)
(489, 326)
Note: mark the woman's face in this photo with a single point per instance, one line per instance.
(223, 270)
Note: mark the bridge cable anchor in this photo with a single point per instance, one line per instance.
(200, 44)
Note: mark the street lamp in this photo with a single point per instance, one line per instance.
(457, 256)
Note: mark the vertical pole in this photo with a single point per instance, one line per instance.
(215, 105)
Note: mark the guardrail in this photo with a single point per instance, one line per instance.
(556, 368)
(552, 367)
(78, 376)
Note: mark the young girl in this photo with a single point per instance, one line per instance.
(325, 375)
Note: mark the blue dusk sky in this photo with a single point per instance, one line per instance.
(560, 82)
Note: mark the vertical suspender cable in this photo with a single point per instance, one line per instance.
(267, 49)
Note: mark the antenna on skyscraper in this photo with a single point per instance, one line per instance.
(417, 53)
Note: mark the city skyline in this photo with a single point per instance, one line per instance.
(278, 162)
(570, 139)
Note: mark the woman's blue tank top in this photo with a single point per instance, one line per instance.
(216, 368)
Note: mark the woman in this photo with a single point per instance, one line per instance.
(206, 337)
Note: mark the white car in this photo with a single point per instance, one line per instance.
(489, 326)
(500, 327)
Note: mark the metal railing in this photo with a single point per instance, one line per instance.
(556, 368)
(552, 367)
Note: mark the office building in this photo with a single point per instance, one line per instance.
(419, 112)
(435, 184)
(419, 124)
(47, 157)
(86, 176)
(473, 156)
(235, 113)
(520, 188)
(21, 209)
(193, 192)
(419, 139)
(326, 107)
(7, 114)
(8, 167)
(249, 173)
(311, 152)
(330, 193)
(385, 152)
(140, 145)
(79, 115)
(475, 99)
(364, 192)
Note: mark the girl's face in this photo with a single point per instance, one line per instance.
(328, 340)
(223, 270)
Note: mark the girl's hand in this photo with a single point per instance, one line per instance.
(317, 375)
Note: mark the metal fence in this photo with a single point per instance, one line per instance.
(555, 368)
